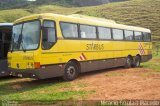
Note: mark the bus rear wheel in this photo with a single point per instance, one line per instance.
(129, 62)
(70, 71)
(137, 61)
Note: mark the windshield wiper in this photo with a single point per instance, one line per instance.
(22, 45)
(20, 42)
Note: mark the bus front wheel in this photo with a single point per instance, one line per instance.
(70, 71)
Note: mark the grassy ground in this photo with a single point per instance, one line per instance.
(154, 63)
(45, 90)
(144, 13)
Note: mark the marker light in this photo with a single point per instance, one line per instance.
(37, 65)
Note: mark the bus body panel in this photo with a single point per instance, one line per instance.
(21, 60)
(57, 70)
(102, 50)
(53, 63)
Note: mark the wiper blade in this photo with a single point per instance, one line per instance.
(23, 47)
(22, 44)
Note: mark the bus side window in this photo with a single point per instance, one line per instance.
(146, 36)
(88, 32)
(129, 35)
(69, 30)
(49, 34)
(117, 34)
(104, 33)
(138, 36)
(83, 34)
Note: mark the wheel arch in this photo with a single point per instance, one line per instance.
(138, 55)
(77, 63)
(130, 56)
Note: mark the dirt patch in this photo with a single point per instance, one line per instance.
(119, 84)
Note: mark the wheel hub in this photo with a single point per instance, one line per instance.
(71, 71)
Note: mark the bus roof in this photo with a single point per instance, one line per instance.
(6, 24)
(76, 18)
(93, 18)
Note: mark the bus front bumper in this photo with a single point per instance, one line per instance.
(26, 73)
(42, 73)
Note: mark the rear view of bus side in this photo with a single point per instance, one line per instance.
(51, 45)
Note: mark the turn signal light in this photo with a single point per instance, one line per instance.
(37, 65)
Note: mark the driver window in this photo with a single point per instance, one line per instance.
(49, 35)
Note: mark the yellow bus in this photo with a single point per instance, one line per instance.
(51, 45)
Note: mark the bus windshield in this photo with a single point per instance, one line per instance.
(25, 36)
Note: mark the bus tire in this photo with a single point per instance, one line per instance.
(129, 62)
(137, 61)
(70, 71)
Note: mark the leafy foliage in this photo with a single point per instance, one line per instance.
(7, 4)
(12, 4)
